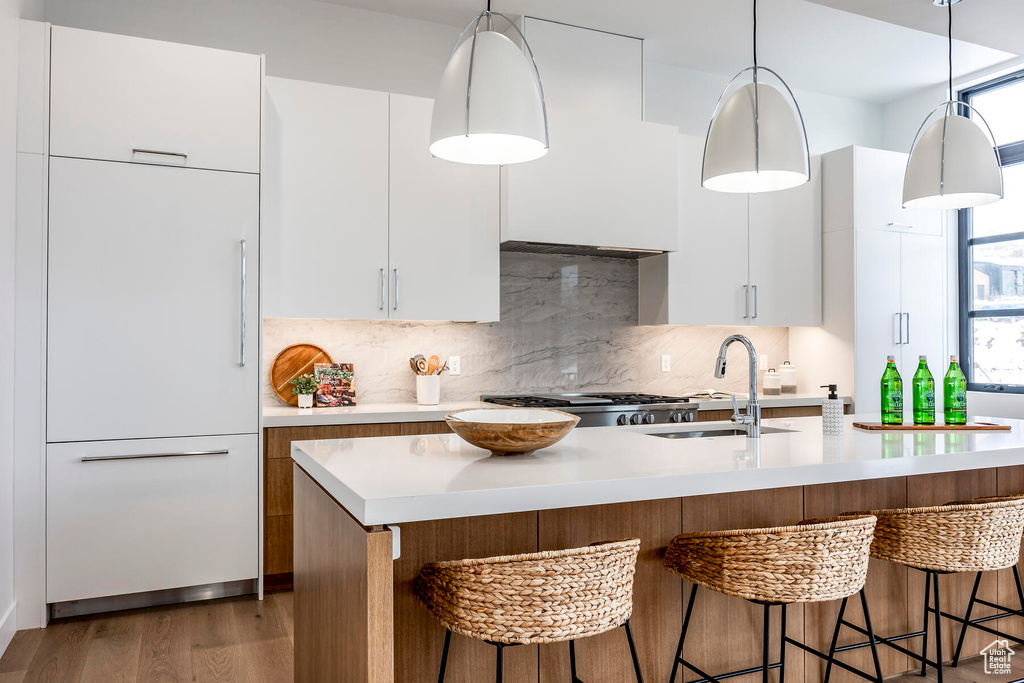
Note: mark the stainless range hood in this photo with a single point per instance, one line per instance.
(577, 250)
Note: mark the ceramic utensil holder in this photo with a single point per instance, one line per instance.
(428, 390)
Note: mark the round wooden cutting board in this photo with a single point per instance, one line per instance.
(297, 359)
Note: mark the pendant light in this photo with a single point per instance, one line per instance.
(756, 141)
(953, 164)
(490, 104)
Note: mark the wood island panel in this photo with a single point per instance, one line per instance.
(725, 632)
(277, 484)
(1009, 482)
(419, 637)
(657, 597)
(955, 589)
(886, 586)
(344, 616)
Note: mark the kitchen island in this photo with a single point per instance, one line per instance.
(370, 512)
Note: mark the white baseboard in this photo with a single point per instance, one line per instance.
(8, 625)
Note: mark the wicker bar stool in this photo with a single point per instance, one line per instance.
(814, 561)
(973, 536)
(548, 597)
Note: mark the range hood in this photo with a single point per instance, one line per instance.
(577, 250)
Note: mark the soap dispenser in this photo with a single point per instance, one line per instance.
(832, 411)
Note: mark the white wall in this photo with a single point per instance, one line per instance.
(686, 98)
(302, 39)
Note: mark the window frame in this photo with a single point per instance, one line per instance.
(1010, 154)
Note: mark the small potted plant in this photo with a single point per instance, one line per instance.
(304, 386)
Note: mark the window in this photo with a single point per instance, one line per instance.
(992, 252)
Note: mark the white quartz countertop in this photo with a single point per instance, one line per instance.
(389, 480)
(280, 415)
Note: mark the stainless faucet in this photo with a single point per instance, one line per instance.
(752, 419)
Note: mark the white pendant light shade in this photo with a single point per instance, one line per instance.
(490, 104)
(953, 165)
(756, 143)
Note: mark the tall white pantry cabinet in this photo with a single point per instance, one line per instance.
(152, 395)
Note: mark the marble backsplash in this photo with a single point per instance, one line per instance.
(568, 323)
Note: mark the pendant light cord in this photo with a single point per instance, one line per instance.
(755, 32)
(949, 6)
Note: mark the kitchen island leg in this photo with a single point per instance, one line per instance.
(344, 608)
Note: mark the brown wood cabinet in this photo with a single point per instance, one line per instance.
(278, 537)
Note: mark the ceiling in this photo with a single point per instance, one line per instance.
(814, 45)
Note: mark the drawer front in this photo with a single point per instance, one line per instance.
(134, 516)
(120, 98)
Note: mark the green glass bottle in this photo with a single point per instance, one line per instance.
(955, 394)
(892, 394)
(924, 394)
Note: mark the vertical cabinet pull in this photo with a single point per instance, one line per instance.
(898, 332)
(383, 289)
(396, 289)
(908, 329)
(754, 287)
(241, 350)
(746, 302)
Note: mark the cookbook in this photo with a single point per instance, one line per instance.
(335, 384)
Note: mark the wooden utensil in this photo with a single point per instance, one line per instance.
(432, 365)
(412, 364)
(421, 365)
(295, 360)
(969, 427)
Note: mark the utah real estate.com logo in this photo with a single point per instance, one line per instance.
(997, 658)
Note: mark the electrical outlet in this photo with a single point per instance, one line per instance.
(454, 365)
(763, 362)
(666, 363)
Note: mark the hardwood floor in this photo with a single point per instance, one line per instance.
(232, 641)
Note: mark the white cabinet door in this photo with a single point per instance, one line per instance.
(606, 182)
(878, 195)
(325, 202)
(443, 226)
(785, 255)
(117, 526)
(924, 303)
(145, 334)
(877, 295)
(111, 97)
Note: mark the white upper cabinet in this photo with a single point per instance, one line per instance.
(325, 202)
(148, 290)
(444, 254)
(119, 98)
(609, 178)
(743, 259)
(865, 191)
(361, 222)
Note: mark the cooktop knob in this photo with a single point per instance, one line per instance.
(635, 419)
(690, 416)
(649, 419)
(623, 419)
(676, 417)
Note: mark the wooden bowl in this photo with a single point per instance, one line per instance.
(511, 431)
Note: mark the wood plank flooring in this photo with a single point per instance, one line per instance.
(231, 641)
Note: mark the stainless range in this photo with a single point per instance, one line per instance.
(602, 410)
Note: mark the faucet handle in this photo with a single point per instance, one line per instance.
(735, 405)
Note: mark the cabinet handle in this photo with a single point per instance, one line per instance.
(383, 289)
(144, 456)
(898, 319)
(241, 350)
(396, 289)
(158, 152)
(900, 225)
(908, 328)
(746, 302)
(754, 287)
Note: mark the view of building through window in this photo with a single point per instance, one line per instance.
(992, 251)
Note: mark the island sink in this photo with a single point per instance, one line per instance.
(718, 431)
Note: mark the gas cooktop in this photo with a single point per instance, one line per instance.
(603, 409)
(571, 400)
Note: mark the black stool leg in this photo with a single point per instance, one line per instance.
(924, 638)
(444, 655)
(835, 640)
(938, 629)
(572, 662)
(1020, 590)
(682, 636)
(632, 652)
(871, 636)
(500, 648)
(782, 646)
(967, 619)
(764, 644)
